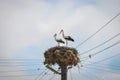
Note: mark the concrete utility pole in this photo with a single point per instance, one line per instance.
(63, 72)
(63, 56)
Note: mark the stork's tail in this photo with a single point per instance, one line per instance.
(63, 42)
(72, 40)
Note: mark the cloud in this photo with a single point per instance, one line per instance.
(19, 27)
(30, 22)
(25, 24)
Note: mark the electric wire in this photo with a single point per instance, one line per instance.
(109, 65)
(106, 66)
(96, 78)
(99, 69)
(11, 65)
(18, 75)
(39, 75)
(100, 44)
(98, 30)
(103, 50)
(52, 77)
(76, 47)
(86, 76)
(106, 48)
(19, 70)
(78, 68)
(116, 55)
(43, 75)
(71, 75)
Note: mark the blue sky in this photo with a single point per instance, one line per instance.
(27, 28)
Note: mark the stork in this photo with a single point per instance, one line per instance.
(67, 38)
(58, 40)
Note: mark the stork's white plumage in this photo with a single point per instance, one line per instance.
(67, 38)
(58, 40)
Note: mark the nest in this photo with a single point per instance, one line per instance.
(61, 55)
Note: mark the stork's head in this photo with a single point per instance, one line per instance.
(61, 31)
(55, 35)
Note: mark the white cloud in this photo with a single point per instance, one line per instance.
(25, 23)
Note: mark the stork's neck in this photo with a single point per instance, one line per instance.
(63, 33)
(55, 37)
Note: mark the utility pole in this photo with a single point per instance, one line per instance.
(65, 57)
(63, 72)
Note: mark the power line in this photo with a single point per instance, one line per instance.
(39, 75)
(86, 76)
(98, 30)
(15, 61)
(118, 54)
(109, 65)
(18, 59)
(99, 69)
(100, 44)
(5, 62)
(104, 49)
(43, 75)
(93, 75)
(78, 68)
(18, 75)
(71, 75)
(52, 77)
(20, 70)
(11, 65)
(104, 66)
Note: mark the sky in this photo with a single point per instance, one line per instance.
(27, 28)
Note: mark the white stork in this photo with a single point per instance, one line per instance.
(67, 38)
(58, 40)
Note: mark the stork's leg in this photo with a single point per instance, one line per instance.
(66, 43)
(58, 44)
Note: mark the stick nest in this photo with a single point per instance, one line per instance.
(61, 55)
